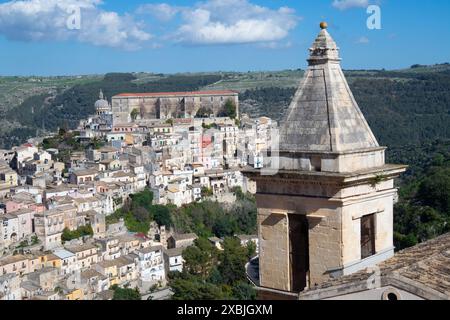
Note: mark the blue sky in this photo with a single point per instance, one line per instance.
(214, 35)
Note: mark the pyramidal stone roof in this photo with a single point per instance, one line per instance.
(323, 115)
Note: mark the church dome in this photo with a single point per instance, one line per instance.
(101, 103)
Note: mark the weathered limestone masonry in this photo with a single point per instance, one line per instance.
(328, 211)
(166, 105)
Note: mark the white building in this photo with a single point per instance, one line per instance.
(173, 259)
(151, 264)
(69, 261)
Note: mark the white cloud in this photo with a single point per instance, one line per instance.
(231, 22)
(363, 40)
(276, 45)
(347, 4)
(207, 22)
(161, 11)
(36, 20)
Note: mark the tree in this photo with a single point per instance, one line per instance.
(203, 112)
(134, 113)
(434, 190)
(224, 227)
(68, 235)
(229, 109)
(97, 143)
(238, 193)
(161, 214)
(200, 258)
(243, 291)
(62, 132)
(194, 289)
(232, 261)
(34, 240)
(125, 293)
(402, 241)
(251, 249)
(206, 192)
(210, 275)
(141, 214)
(142, 199)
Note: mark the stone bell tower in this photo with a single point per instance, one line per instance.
(329, 209)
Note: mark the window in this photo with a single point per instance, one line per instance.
(316, 163)
(367, 236)
(392, 295)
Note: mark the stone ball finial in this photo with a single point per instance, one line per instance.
(323, 25)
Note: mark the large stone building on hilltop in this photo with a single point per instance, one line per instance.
(166, 105)
(328, 212)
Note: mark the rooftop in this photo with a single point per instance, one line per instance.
(174, 252)
(105, 295)
(63, 254)
(323, 115)
(12, 259)
(85, 172)
(424, 267)
(91, 273)
(81, 248)
(150, 249)
(184, 236)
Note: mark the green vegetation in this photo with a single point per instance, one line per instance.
(139, 212)
(229, 109)
(134, 114)
(207, 192)
(209, 274)
(82, 231)
(205, 218)
(66, 142)
(203, 112)
(125, 293)
(377, 179)
(270, 102)
(423, 211)
(242, 81)
(251, 249)
(34, 240)
(209, 218)
(209, 126)
(23, 244)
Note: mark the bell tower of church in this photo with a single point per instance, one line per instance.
(328, 211)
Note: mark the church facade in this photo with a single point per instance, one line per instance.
(167, 105)
(328, 211)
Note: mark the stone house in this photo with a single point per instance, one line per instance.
(179, 240)
(49, 226)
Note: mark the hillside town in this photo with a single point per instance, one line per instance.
(329, 182)
(183, 147)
